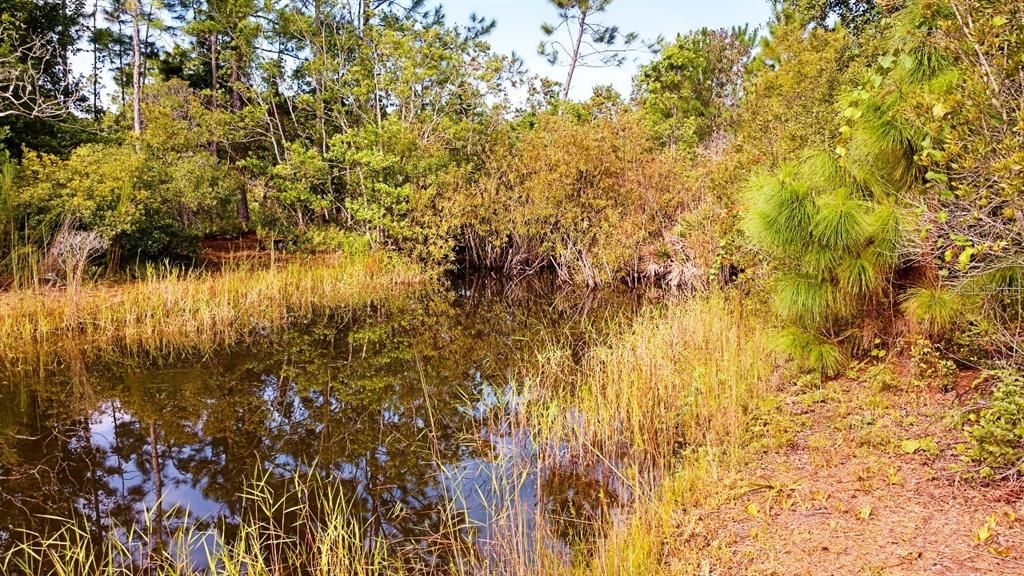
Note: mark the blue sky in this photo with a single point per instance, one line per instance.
(519, 24)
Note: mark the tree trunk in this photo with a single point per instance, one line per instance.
(136, 75)
(213, 82)
(213, 65)
(65, 43)
(243, 207)
(95, 62)
(365, 16)
(120, 64)
(145, 42)
(236, 77)
(318, 78)
(575, 55)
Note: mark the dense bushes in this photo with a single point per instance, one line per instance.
(879, 148)
(861, 227)
(145, 207)
(585, 195)
(996, 433)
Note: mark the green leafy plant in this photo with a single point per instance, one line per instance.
(996, 433)
(836, 223)
(930, 365)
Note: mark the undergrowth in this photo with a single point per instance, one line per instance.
(996, 432)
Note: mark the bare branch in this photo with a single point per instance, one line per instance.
(24, 88)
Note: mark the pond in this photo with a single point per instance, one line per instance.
(399, 402)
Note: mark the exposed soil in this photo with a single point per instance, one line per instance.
(870, 483)
(216, 252)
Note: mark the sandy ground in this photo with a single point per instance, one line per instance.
(871, 483)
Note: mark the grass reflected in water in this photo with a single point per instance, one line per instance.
(379, 440)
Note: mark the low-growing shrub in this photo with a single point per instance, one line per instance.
(996, 433)
(145, 206)
(930, 365)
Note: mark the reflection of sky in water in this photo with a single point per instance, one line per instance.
(178, 491)
(375, 401)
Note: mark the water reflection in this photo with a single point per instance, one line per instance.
(389, 400)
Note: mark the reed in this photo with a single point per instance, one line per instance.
(682, 376)
(170, 312)
(305, 526)
(668, 404)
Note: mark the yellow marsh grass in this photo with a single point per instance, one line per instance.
(682, 376)
(198, 311)
(305, 527)
(678, 390)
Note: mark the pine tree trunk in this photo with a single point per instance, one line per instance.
(120, 63)
(236, 77)
(213, 82)
(95, 62)
(243, 207)
(136, 75)
(65, 44)
(213, 66)
(575, 55)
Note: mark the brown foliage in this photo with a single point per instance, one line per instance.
(593, 198)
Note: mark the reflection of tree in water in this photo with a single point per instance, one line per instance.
(577, 501)
(376, 399)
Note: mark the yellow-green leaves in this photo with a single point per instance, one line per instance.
(925, 445)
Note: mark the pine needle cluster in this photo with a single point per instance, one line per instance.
(837, 222)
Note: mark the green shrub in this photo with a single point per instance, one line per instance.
(934, 310)
(145, 206)
(839, 222)
(932, 366)
(996, 436)
(590, 196)
(330, 239)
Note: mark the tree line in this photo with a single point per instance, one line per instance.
(859, 161)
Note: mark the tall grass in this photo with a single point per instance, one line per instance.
(20, 259)
(304, 527)
(682, 376)
(668, 404)
(676, 392)
(172, 312)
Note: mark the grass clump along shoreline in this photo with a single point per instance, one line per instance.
(817, 221)
(179, 312)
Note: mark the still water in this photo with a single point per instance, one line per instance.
(399, 402)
